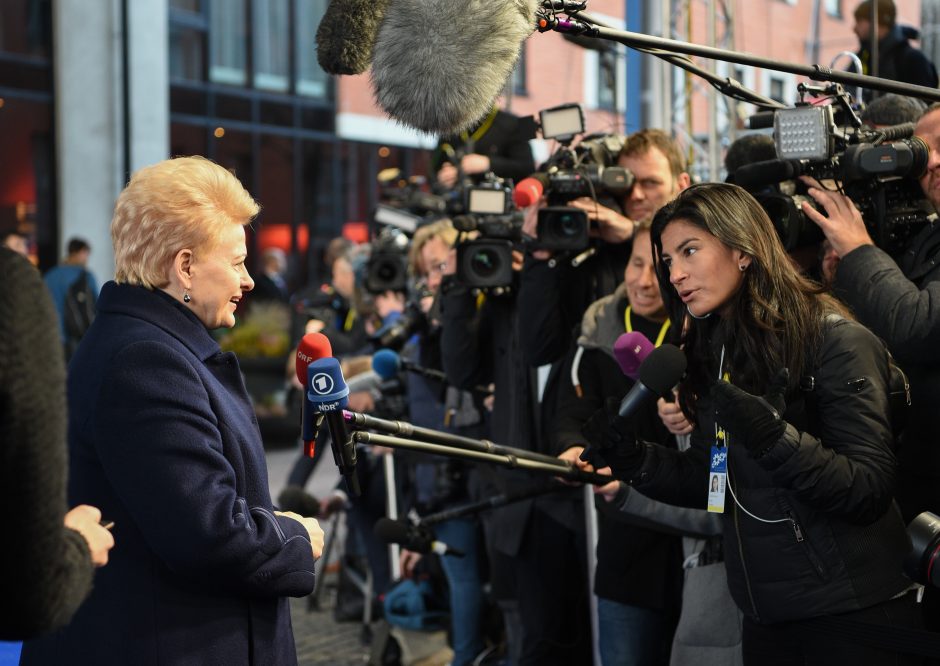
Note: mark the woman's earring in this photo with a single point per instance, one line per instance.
(742, 267)
(187, 298)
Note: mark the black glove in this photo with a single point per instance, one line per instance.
(612, 442)
(754, 421)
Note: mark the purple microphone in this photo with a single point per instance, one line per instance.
(630, 350)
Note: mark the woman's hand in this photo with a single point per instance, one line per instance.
(754, 421)
(609, 490)
(408, 560)
(673, 418)
(86, 520)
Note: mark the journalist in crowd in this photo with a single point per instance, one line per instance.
(792, 394)
(49, 567)
(896, 297)
(163, 438)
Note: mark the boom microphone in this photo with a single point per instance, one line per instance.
(630, 350)
(346, 35)
(416, 538)
(439, 65)
(759, 174)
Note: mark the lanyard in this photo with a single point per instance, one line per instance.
(628, 324)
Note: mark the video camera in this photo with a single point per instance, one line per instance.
(485, 262)
(407, 203)
(877, 168)
(387, 268)
(586, 170)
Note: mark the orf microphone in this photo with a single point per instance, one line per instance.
(328, 393)
(416, 538)
(439, 65)
(346, 35)
(312, 347)
(630, 350)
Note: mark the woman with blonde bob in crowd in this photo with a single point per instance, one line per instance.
(163, 438)
(793, 394)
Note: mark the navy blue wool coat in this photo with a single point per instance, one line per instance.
(163, 438)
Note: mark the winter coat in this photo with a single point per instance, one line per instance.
(163, 438)
(835, 541)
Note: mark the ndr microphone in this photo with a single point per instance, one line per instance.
(328, 394)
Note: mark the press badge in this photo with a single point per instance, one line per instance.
(717, 477)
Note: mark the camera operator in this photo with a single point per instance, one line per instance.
(536, 546)
(441, 483)
(897, 298)
(498, 144)
(553, 294)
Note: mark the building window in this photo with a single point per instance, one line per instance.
(311, 80)
(26, 27)
(271, 51)
(187, 46)
(777, 90)
(607, 80)
(228, 39)
(834, 8)
(518, 79)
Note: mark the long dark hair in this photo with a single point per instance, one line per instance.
(775, 317)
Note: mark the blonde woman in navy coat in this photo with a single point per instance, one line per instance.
(163, 438)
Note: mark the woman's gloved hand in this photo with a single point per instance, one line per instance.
(754, 421)
(612, 442)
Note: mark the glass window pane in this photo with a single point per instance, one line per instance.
(26, 27)
(194, 6)
(271, 45)
(227, 34)
(607, 81)
(311, 80)
(186, 53)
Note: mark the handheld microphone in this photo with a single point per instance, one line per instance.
(659, 372)
(630, 350)
(328, 394)
(346, 35)
(312, 346)
(529, 190)
(298, 500)
(439, 65)
(387, 364)
(417, 538)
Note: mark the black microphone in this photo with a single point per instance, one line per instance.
(761, 120)
(760, 174)
(346, 35)
(417, 538)
(298, 500)
(439, 65)
(327, 392)
(659, 372)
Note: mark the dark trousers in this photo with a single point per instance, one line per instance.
(553, 595)
(802, 644)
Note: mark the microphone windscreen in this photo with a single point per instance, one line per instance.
(662, 369)
(312, 347)
(298, 500)
(529, 190)
(760, 174)
(630, 350)
(439, 65)
(390, 531)
(346, 35)
(386, 363)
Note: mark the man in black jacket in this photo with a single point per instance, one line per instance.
(897, 298)
(897, 59)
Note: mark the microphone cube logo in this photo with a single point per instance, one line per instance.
(321, 383)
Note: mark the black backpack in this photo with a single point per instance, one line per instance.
(78, 312)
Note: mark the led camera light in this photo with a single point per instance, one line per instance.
(803, 133)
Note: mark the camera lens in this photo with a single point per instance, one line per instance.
(920, 564)
(569, 225)
(485, 262)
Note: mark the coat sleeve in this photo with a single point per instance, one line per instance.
(572, 411)
(548, 310)
(465, 334)
(47, 569)
(637, 508)
(849, 470)
(894, 308)
(166, 454)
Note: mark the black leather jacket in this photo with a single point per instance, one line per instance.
(829, 538)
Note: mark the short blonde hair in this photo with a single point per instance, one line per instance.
(183, 202)
(443, 229)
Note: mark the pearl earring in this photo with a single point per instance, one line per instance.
(187, 298)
